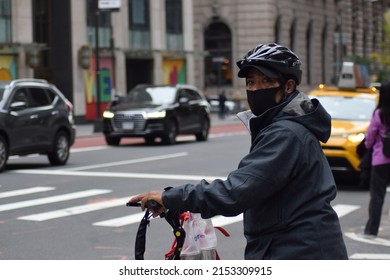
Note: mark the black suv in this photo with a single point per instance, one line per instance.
(35, 118)
(152, 112)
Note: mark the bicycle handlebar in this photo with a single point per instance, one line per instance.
(151, 204)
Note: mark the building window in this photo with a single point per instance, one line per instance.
(5, 21)
(104, 25)
(41, 32)
(218, 62)
(174, 25)
(139, 23)
(309, 32)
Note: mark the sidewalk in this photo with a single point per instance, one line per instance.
(87, 129)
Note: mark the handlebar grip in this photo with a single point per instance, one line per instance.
(134, 204)
(151, 204)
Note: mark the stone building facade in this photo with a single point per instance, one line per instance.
(322, 33)
(176, 41)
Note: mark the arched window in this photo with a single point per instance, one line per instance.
(308, 51)
(218, 61)
(277, 29)
(292, 34)
(365, 41)
(323, 53)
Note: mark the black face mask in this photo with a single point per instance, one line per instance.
(262, 99)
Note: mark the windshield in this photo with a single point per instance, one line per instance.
(1, 92)
(348, 108)
(152, 95)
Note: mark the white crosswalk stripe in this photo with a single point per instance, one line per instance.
(76, 210)
(369, 257)
(25, 191)
(341, 209)
(375, 241)
(221, 221)
(122, 221)
(52, 199)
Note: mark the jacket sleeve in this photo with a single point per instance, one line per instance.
(273, 159)
(373, 130)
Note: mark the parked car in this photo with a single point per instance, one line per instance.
(151, 112)
(351, 110)
(35, 118)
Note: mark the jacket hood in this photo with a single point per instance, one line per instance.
(298, 108)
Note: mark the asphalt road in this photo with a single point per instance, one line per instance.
(78, 211)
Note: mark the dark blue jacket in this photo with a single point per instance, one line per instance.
(284, 187)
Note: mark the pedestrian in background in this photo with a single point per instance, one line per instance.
(380, 164)
(284, 185)
(222, 106)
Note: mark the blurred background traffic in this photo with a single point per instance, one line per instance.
(96, 51)
(86, 47)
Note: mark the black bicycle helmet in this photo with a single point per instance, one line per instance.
(273, 60)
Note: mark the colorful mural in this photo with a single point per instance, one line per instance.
(7, 67)
(174, 72)
(105, 79)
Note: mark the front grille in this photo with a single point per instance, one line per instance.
(337, 163)
(333, 148)
(130, 122)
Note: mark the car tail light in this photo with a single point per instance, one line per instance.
(69, 106)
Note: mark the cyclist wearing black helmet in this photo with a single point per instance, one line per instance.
(284, 186)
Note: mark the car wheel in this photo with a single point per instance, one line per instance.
(169, 138)
(113, 141)
(3, 153)
(60, 153)
(204, 133)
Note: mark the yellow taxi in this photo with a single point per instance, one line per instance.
(351, 110)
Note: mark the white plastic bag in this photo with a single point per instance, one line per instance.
(201, 239)
(191, 247)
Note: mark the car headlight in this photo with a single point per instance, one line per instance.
(156, 115)
(354, 138)
(108, 114)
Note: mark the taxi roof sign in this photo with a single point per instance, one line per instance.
(354, 76)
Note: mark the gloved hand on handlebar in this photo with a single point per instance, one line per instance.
(147, 197)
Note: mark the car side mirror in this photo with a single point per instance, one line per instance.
(18, 105)
(116, 100)
(184, 100)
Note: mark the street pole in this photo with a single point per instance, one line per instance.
(98, 121)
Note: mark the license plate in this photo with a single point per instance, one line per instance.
(128, 125)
